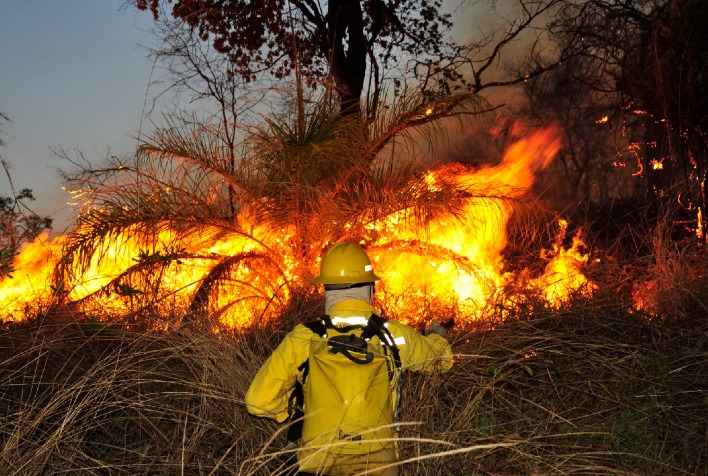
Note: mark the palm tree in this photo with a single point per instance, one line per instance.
(298, 185)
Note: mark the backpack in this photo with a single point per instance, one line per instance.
(343, 397)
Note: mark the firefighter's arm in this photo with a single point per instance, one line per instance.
(422, 353)
(270, 390)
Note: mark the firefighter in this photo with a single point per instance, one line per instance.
(325, 446)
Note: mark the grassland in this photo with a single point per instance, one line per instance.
(591, 388)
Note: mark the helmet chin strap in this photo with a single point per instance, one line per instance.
(334, 296)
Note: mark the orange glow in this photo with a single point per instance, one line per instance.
(249, 275)
(563, 274)
(458, 263)
(643, 295)
(29, 285)
(700, 234)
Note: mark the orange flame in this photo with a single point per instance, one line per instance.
(456, 262)
(563, 274)
(459, 262)
(29, 285)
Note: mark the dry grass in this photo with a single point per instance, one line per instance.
(597, 392)
(84, 400)
(591, 388)
(587, 390)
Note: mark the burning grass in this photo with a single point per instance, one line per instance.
(119, 371)
(433, 235)
(586, 389)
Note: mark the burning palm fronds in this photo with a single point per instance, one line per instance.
(165, 246)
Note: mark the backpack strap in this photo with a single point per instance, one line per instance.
(377, 327)
(343, 344)
(319, 326)
(347, 344)
(297, 396)
(295, 402)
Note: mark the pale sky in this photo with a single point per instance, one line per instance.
(73, 74)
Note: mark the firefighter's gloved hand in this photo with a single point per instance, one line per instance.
(436, 328)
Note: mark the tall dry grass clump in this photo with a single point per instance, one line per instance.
(81, 399)
(596, 391)
(591, 388)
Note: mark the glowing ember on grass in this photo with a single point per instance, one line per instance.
(240, 277)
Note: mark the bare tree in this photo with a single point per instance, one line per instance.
(3, 117)
(18, 223)
(216, 99)
(585, 169)
(652, 66)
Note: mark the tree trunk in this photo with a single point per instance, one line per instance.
(347, 52)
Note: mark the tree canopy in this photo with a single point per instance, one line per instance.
(332, 46)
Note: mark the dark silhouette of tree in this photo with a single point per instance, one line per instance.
(333, 45)
(582, 170)
(17, 222)
(652, 65)
(3, 117)
(359, 48)
(17, 225)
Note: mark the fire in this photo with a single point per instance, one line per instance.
(700, 233)
(238, 277)
(29, 285)
(563, 273)
(459, 262)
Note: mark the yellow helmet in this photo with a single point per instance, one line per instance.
(345, 263)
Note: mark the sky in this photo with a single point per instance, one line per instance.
(74, 74)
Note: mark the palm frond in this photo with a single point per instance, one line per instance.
(189, 141)
(415, 116)
(298, 185)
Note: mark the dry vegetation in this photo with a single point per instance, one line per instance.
(588, 389)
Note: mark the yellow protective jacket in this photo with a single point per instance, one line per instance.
(269, 393)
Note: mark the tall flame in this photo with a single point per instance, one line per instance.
(459, 262)
(455, 261)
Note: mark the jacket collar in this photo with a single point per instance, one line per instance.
(350, 312)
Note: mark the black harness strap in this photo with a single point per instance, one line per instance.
(297, 397)
(347, 345)
(376, 325)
